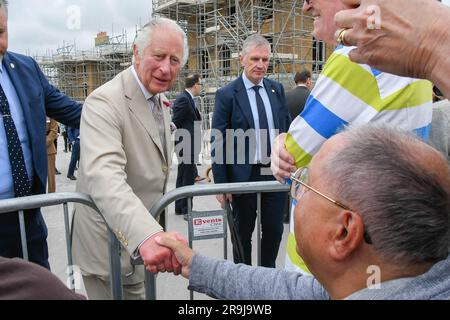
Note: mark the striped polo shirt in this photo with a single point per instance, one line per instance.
(349, 93)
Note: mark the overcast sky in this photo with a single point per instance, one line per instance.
(40, 26)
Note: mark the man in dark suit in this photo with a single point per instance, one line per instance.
(255, 106)
(26, 98)
(296, 98)
(74, 140)
(187, 120)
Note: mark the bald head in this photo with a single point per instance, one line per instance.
(399, 185)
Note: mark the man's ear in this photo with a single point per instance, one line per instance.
(136, 57)
(348, 235)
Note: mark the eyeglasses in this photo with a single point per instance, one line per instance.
(300, 185)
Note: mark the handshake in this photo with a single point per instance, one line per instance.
(167, 252)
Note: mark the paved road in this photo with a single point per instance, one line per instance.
(168, 286)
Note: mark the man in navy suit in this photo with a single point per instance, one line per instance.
(74, 140)
(187, 120)
(253, 109)
(296, 98)
(26, 98)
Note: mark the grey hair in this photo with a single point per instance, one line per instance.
(401, 188)
(4, 5)
(144, 35)
(255, 40)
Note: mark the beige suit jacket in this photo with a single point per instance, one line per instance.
(124, 168)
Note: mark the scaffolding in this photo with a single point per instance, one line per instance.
(216, 30)
(78, 73)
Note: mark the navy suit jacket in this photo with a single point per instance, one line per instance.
(38, 99)
(232, 111)
(184, 116)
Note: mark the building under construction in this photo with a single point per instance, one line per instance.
(216, 30)
(78, 73)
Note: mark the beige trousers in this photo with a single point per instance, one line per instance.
(51, 173)
(98, 289)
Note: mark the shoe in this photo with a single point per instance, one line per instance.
(57, 172)
(185, 217)
(72, 177)
(179, 213)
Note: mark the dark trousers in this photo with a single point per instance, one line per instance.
(66, 141)
(272, 212)
(185, 177)
(74, 158)
(10, 241)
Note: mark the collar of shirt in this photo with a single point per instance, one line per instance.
(248, 84)
(302, 85)
(144, 90)
(192, 96)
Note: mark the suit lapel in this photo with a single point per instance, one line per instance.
(274, 102)
(12, 69)
(242, 101)
(30, 113)
(141, 109)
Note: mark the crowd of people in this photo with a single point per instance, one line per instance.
(368, 192)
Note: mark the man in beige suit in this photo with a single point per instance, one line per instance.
(125, 161)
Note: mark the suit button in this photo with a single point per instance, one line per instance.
(164, 169)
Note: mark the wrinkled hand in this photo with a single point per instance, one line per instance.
(411, 33)
(182, 253)
(220, 198)
(282, 163)
(158, 258)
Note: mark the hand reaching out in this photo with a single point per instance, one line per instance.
(282, 163)
(221, 200)
(383, 31)
(182, 252)
(158, 258)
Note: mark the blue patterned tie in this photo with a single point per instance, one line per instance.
(19, 171)
(263, 123)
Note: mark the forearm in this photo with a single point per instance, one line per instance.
(225, 280)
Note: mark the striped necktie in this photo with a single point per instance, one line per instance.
(159, 119)
(21, 183)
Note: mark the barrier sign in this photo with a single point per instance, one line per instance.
(208, 225)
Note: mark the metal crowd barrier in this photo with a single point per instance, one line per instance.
(46, 200)
(204, 190)
(40, 201)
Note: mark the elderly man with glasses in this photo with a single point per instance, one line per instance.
(372, 212)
